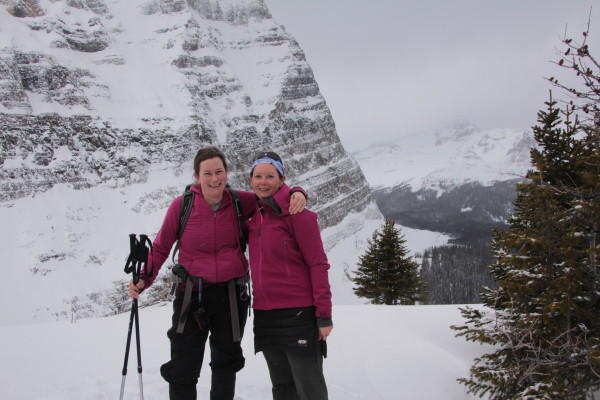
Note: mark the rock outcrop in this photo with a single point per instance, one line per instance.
(98, 93)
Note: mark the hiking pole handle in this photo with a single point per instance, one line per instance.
(142, 253)
(132, 258)
(144, 239)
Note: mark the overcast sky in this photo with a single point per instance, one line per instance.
(394, 67)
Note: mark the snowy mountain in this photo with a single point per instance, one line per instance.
(459, 180)
(447, 157)
(103, 105)
(109, 93)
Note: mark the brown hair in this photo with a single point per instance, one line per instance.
(206, 154)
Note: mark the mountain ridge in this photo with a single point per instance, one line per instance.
(103, 106)
(449, 156)
(100, 121)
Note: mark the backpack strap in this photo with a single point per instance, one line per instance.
(237, 205)
(184, 214)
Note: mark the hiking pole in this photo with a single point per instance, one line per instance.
(138, 255)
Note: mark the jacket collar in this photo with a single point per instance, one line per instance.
(282, 198)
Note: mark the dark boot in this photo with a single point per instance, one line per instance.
(182, 392)
(222, 386)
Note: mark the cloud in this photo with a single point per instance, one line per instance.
(390, 67)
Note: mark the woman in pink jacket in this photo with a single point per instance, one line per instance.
(292, 297)
(211, 257)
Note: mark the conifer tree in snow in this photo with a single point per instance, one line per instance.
(386, 274)
(544, 317)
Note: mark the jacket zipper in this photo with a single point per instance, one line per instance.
(215, 246)
(285, 255)
(260, 266)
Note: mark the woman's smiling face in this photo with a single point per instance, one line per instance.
(265, 180)
(212, 178)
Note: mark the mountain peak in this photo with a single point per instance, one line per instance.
(457, 132)
(458, 153)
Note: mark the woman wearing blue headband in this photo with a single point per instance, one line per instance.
(292, 296)
(265, 159)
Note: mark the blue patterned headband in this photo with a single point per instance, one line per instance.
(267, 160)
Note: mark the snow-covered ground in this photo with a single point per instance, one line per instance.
(375, 353)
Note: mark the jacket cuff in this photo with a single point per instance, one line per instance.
(322, 322)
(299, 189)
(146, 284)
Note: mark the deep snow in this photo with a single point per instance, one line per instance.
(375, 353)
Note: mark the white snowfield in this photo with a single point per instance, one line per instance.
(375, 353)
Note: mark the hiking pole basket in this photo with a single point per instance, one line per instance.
(138, 256)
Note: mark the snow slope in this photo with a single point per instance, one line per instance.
(375, 353)
(78, 243)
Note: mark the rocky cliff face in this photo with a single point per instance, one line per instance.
(107, 93)
(103, 106)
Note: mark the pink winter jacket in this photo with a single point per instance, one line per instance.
(288, 264)
(209, 246)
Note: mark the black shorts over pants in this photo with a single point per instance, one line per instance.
(289, 341)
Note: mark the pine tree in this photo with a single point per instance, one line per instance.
(544, 317)
(386, 274)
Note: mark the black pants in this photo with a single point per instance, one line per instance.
(296, 375)
(289, 341)
(187, 348)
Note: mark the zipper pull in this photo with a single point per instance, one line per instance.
(261, 216)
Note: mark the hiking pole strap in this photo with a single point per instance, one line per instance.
(233, 308)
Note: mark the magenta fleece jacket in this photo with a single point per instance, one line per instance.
(209, 246)
(288, 264)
